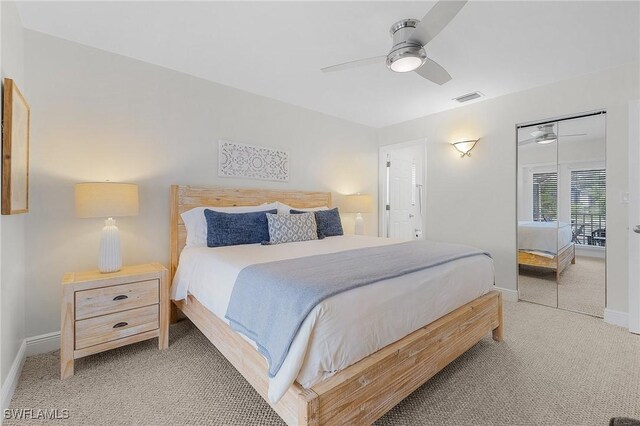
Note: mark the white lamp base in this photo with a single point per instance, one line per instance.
(359, 224)
(110, 257)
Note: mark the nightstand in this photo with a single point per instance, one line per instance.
(106, 311)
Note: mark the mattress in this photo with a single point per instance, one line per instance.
(344, 328)
(545, 237)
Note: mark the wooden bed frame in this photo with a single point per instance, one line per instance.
(565, 257)
(363, 392)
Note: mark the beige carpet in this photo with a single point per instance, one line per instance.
(554, 368)
(581, 287)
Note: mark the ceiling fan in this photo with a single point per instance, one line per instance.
(545, 135)
(409, 38)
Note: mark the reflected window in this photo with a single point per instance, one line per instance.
(589, 206)
(545, 197)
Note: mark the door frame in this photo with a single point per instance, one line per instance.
(382, 181)
(634, 214)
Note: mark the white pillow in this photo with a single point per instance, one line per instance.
(196, 223)
(284, 209)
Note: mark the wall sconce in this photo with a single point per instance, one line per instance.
(465, 147)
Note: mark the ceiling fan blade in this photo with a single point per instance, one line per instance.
(431, 70)
(435, 20)
(354, 64)
(568, 136)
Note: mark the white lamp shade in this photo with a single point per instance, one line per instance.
(358, 203)
(106, 199)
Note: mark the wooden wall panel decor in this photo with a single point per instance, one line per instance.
(363, 392)
(15, 150)
(253, 162)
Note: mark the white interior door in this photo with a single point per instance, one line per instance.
(634, 216)
(403, 179)
(401, 214)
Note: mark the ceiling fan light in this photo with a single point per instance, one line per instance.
(406, 64)
(545, 141)
(406, 59)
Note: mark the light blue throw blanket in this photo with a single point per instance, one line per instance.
(270, 300)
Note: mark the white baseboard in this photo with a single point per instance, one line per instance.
(30, 346)
(9, 385)
(618, 318)
(43, 343)
(508, 294)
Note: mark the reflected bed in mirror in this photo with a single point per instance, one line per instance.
(538, 244)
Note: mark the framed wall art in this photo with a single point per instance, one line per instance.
(15, 150)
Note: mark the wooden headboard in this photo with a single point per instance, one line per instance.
(184, 198)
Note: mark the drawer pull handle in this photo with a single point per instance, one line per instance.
(121, 297)
(121, 324)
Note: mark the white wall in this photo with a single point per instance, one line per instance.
(12, 235)
(472, 200)
(97, 115)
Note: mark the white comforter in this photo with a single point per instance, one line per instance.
(544, 237)
(346, 327)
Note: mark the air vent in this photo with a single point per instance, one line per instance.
(468, 97)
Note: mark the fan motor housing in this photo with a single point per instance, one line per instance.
(402, 47)
(401, 30)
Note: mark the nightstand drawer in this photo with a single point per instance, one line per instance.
(107, 300)
(106, 328)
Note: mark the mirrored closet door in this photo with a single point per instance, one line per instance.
(538, 214)
(582, 200)
(562, 213)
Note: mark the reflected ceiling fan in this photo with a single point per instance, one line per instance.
(545, 135)
(409, 38)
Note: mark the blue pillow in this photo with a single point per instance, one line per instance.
(327, 221)
(231, 229)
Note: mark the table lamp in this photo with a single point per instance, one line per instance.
(358, 204)
(107, 200)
